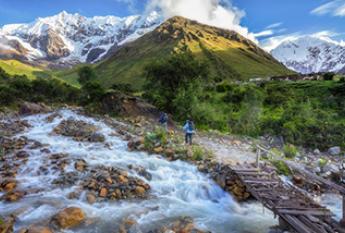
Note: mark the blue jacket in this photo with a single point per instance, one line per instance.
(189, 128)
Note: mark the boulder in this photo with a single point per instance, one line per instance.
(336, 150)
(80, 165)
(103, 192)
(96, 137)
(36, 229)
(27, 108)
(330, 167)
(158, 150)
(69, 217)
(91, 199)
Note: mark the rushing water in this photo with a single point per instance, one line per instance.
(177, 188)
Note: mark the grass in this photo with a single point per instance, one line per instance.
(14, 67)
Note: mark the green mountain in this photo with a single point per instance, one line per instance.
(230, 55)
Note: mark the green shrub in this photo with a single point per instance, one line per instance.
(323, 162)
(282, 168)
(290, 151)
(158, 136)
(198, 153)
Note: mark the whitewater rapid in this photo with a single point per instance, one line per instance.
(177, 188)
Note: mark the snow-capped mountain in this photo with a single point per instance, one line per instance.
(310, 54)
(67, 39)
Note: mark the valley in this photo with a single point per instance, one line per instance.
(82, 148)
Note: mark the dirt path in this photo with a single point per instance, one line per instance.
(227, 149)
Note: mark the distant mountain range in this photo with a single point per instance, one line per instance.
(68, 39)
(309, 54)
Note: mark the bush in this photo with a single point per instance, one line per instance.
(290, 151)
(282, 168)
(7, 95)
(328, 76)
(158, 136)
(197, 153)
(92, 92)
(86, 74)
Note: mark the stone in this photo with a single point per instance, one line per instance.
(169, 152)
(158, 150)
(330, 167)
(36, 229)
(80, 165)
(122, 179)
(69, 217)
(96, 137)
(140, 191)
(27, 108)
(7, 225)
(91, 199)
(22, 154)
(13, 196)
(103, 192)
(316, 152)
(9, 187)
(298, 180)
(336, 150)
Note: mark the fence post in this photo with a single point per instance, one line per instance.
(258, 157)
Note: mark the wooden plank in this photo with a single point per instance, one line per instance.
(296, 224)
(305, 212)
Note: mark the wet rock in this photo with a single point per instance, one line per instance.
(134, 143)
(80, 165)
(13, 196)
(158, 150)
(36, 229)
(69, 217)
(79, 130)
(96, 137)
(11, 128)
(111, 183)
(52, 117)
(184, 225)
(334, 150)
(316, 152)
(22, 154)
(91, 198)
(8, 185)
(27, 108)
(103, 192)
(298, 180)
(6, 225)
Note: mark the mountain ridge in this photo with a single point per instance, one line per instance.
(68, 39)
(230, 55)
(309, 54)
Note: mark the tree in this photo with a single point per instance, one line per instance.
(86, 74)
(175, 81)
(328, 76)
(93, 92)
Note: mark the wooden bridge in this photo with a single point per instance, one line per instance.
(295, 209)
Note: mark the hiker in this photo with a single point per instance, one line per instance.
(163, 120)
(189, 131)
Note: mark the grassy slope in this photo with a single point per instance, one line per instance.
(14, 67)
(229, 58)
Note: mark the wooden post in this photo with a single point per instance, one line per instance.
(258, 157)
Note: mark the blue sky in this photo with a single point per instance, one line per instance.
(286, 17)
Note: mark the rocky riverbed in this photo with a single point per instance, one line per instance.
(65, 172)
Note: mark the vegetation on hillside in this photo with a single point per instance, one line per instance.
(308, 113)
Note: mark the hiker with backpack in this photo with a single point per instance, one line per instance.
(163, 120)
(189, 130)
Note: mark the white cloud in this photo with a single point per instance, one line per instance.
(264, 33)
(130, 3)
(334, 7)
(212, 12)
(275, 25)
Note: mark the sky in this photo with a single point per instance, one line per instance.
(268, 22)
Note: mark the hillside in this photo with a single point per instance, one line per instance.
(14, 67)
(229, 55)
